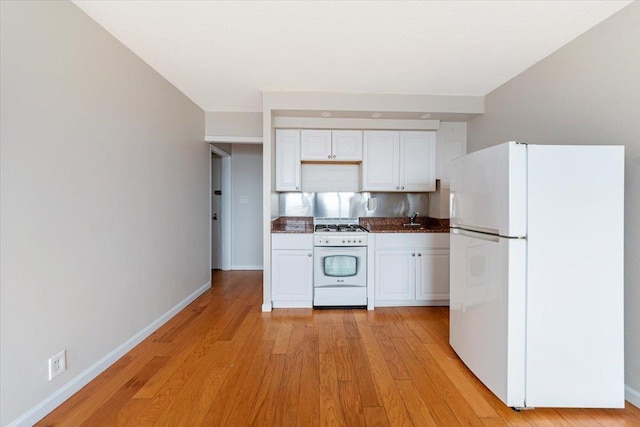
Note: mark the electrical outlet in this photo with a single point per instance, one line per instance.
(57, 364)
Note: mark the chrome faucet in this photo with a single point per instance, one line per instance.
(413, 217)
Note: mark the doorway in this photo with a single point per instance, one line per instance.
(220, 208)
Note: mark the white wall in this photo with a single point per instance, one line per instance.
(104, 198)
(233, 124)
(246, 228)
(588, 92)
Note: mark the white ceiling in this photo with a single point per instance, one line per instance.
(223, 54)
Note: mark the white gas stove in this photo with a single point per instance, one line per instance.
(340, 263)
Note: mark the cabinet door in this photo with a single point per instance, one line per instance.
(380, 161)
(292, 278)
(432, 269)
(316, 145)
(287, 160)
(417, 161)
(395, 275)
(346, 145)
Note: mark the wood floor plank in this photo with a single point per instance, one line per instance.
(344, 363)
(264, 408)
(376, 416)
(393, 404)
(281, 345)
(107, 413)
(350, 326)
(453, 396)
(194, 400)
(172, 388)
(391, 356)
(86, 402)
(363, 374)
(330, 408)
(577, 417)
(480, 406)
(544, 417)
(249, 355)
(507, 414)
(130, 411)
(244, 396)
(418, 410)
(286, 413)
(494, 422)
(325, 336)
(422, 382)
(222, 361)
(309, 395)
(231, 328)
(351, 403)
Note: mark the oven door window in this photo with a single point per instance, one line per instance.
(340, 265)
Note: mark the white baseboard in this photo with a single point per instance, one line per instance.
(246, 267)
(266, 307)
(632, 396)
(54, 400)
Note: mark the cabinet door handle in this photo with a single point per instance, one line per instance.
(402, 187)
(334, 156)
(397, 188)
(419, 254)
(310, 255)
(297, 188)
(413, 254)
(329, 156)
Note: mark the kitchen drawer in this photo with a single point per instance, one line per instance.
(302, 241)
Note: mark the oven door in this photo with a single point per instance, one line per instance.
(340, 266)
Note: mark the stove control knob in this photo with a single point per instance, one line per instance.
(343, 241)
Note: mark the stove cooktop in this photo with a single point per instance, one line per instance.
(339, 228)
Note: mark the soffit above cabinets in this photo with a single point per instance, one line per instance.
(340, 123)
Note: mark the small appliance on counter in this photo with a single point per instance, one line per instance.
(340, 263)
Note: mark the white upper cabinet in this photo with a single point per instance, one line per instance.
(327, 145)
(315, 145)
(418, 161)
(381, 161)
(288, 160)
(346, 145)
(399, 161)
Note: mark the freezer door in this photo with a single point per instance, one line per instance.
(489, 190)
(575, 294)
(487, 310)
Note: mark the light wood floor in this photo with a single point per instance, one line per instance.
(221, 361)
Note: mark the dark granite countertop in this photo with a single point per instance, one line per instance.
(395, 225)
(292, 224)
(304, 224)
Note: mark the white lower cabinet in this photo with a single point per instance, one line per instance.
(412, 269)
(292, 270)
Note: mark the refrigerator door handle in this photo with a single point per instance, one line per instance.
(476, 235)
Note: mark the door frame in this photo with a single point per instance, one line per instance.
(225, 207)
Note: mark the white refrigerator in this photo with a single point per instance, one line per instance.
(537, 270)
